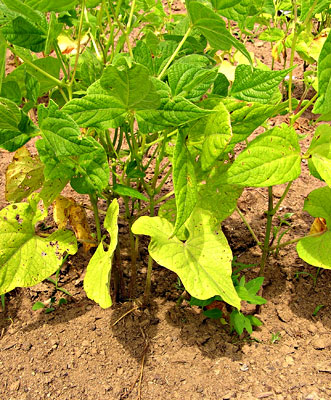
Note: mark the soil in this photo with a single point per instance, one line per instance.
(80, 351)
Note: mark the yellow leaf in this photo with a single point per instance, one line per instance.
(78, 221)
(61, 211)
(318, 226)
(24, 175)
(228, 70)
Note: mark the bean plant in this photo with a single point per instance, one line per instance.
(120, 97)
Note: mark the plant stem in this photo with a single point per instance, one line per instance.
(248, 227)
(298, 115)
(78, 43)
(28, 62)
(296, 240)
(265, 249)
(174, 54)
(275, 209)
(165, 197)
(94, 202)
(294, 41)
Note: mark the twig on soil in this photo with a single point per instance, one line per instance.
(124, 315)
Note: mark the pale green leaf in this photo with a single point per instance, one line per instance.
(214, 28)
(97, 278)
(10, 114)
(123, 190)
(271, 159)
(217, 198)
(24, 175)
(218, 134)
(272, 35)
(256, 85)
(26, 258)
(318, 204)
(320, 154)
(184, 181)
(323, 103)
(316, 250)
(203, 262)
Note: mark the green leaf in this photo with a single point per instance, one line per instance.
(97, 278)
(22, 8)
(51, 189)
(245, 117)
(96, 110)
(320, 154)
(173, 113)
(24, 175)
(214, 28)
(49, 64)
(52, 5)
(131, 86)
(128, 191)
(254, 285)
(168, 210)
(190, 81)
(203, 262)
(316, 250)
(184, 182)
(323, 103)
(306, 5)
(26, 258)
(217, 135)
(237, 321)
(3, 50)
(272, 35)
(256, 85)
(244, 294)
(67, 155)
(15, 127)
(271, 159)
(23, 33)
(11, 91)
(10, 114)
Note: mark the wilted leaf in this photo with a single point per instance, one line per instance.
(318, 226)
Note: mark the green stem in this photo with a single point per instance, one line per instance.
(248, 227)
(147, 292)
(265, 249)
(94, 202)
(78, 43)
(294, 41)
(127, 39)
(296, 240)
(28, 62)
(298, 115)
(133, 5)
(275, 209)
(173, 56)
(158, 201)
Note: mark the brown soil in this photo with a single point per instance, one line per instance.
(76, 352)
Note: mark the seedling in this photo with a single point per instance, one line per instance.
(48, 305)
(275, 338)
(317, 309)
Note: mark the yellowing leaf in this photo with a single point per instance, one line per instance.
(69, 46)
(228, 70)
(318, 226)
(67, 210)
(78, 221)
(61, 211)
(24, 175)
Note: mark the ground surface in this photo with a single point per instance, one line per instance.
(76, 353)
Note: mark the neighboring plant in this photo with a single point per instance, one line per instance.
(275, 338)
(133, 96)
(48, 305)
(216, 308)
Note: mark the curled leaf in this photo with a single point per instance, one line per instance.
(318, 226)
